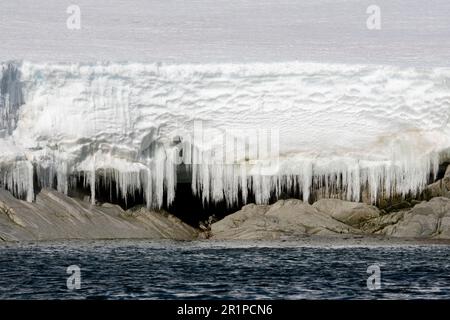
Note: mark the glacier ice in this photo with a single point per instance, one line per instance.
(359, 132)
(10, 97)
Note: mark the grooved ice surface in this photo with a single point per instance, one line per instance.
(345, 127)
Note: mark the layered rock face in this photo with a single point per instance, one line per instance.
(55, 216)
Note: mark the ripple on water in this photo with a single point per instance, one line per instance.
(198, 270)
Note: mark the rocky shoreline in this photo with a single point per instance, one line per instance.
(290, 219)
(54, 216)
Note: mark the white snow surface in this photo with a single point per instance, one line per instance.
(413, 32)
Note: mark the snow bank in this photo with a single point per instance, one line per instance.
(240, 129)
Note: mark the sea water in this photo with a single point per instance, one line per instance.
(222, 270)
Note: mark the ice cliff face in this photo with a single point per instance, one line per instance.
(238, 129)
(10, 98)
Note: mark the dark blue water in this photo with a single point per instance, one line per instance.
(205, 270)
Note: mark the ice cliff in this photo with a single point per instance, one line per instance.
(256, 129)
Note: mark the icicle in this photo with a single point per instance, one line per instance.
(30, 182)
(170, 180)
(62, 176)
(92, 182)
(149, 189)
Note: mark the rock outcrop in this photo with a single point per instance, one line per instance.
(440, 188)
(55, 216)
(429, 219)
(351, 213)
(290, 219)
(284, 219)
